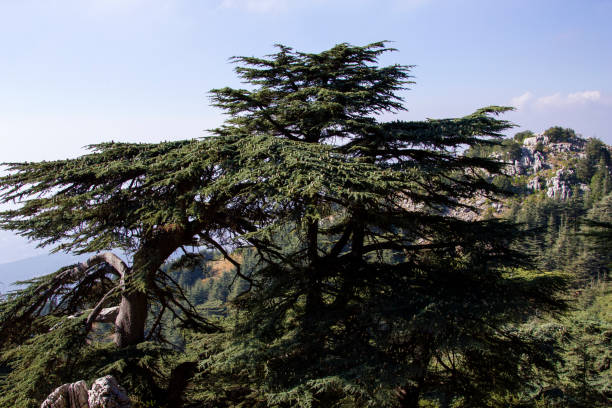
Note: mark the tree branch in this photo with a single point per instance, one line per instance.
(96, 310)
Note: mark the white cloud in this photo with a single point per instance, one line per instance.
(557, 100)
(521, 100)
(583, 97)
(576, 98)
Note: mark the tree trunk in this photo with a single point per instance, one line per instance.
(179, 380)
(132, 317)
(408, 397)
(130, 322)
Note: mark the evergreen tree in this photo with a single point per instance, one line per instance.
(557, 134)
(142, 199)
(361, 287)
(382, 296)
(596, 260)
(601, 182)
(595, 151)
(146, 200)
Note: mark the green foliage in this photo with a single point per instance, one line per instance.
(596, 158)
(75, 195)
(350, 283)
(557, 134)
(506, 150)
(521, 136)
(42, 363)
(601, 182)
(569, 236)
(585, 334)
(63, 354)
(378, 294)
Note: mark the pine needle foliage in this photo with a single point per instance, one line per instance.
(368, 291)
(145, 200)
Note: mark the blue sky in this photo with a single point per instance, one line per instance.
(76, 72)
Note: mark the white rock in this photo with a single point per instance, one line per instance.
(107, 393)
(534, 184)
(68, 396)
(539, 161)
(559, 186)
(531, 142)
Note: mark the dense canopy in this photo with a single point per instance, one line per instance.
(365, 286)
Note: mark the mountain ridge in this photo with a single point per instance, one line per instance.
(28, 268)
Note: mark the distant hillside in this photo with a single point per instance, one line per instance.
(557, 164)
(31, 267)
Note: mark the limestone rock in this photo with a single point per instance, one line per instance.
(534, 184)
(559, 186)
(68, 396)
(107, 393)
(539, 161)
(515, 169)
(526, 158)
(532, 142)
(530, 162)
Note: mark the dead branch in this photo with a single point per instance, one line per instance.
(97, 309)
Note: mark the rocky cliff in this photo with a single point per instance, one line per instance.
(556, 164)
(548, 165)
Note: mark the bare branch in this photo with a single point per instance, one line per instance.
(97, 309)
(156, 323)
(107, 315)
(209, 239)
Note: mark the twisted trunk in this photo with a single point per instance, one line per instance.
(131, 320)
(133, 310)
(131, 316)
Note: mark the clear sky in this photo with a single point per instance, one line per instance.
(77, 72)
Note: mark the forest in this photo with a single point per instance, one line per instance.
(309, 254)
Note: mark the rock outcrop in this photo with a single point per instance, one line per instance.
(68, 396)
(539, 165)
(559, 186)
(535, 184)
(105, 393)
(530, 162)
(538, 154)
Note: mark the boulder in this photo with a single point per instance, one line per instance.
(105, 393)
(559, 186)
(68, 396)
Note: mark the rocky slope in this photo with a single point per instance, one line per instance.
(556, 164)
(548, 166)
